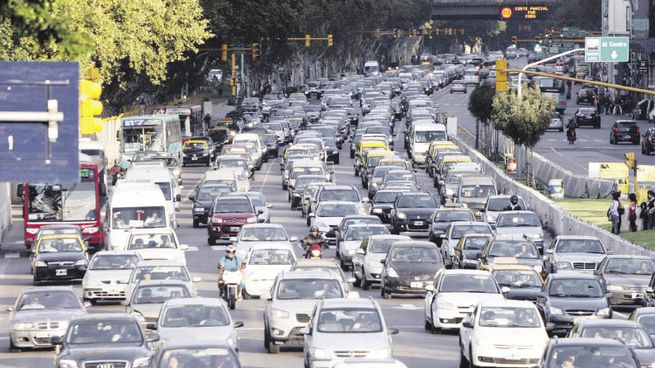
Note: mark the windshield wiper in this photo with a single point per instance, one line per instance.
(580, 296)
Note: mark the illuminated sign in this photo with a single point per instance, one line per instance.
(506, 12)
(141, 122)
(86, 174)
(522, 12)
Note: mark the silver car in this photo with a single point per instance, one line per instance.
(258, 234)
(258, 200)
(574, 252)
(159, 270)
(290, 303)
(108, 275)
(366, 261)
(522, 223)
(40, 314)
(149, 297)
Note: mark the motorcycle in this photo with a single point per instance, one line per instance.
(570, 135)
(315, 251)
(230, 285)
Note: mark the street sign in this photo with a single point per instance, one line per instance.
(607, 49)
(39, 122)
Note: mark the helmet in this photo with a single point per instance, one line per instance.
(314, 228)
(231, 249)
(514, 199)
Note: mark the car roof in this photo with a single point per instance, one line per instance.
(359, 226)
(195, 300)
(573, 275)
(308, 274)
(162, 283)
(47, 288)
(631, 256)
(104, 317)
(337, 202)
(414, 243)
(507, 303)
(160, 262)
(466, 272)
(200, 344)
(644, 311)
(389, 236)
(522, 212)
(576, 237)
(272, 245)
(455, 223)
(340, 187)
(348, 303)
(587, 341)
(324, 262)
(116, 253)
(508, 267)
(152, 230)
(607, 322)
(262, 225)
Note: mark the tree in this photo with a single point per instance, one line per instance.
(523, 119)
(481, 107)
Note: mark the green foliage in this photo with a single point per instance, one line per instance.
(523, 119)
(480, 102)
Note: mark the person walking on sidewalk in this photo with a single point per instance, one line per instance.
(632, 211)
(613, 213)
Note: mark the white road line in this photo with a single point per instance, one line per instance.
(12, 255)
(584, 169)
(268, 174)
(217, 247)
(407, 307)
(192, 248)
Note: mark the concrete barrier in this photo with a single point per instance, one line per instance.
(5, 209)
(557, 220)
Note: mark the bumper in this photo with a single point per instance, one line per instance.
(505, 358)
(257, 287)
(626, 137)
(405, 286)
(34, 338)
(224, 232)
(101, 293)
(201, 217)
(196, 160)
(59, 273)
(288, 334)
(385, 216)
(449, 318)
(410, 228)
(628, 299)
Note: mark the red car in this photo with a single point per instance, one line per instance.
(227, 216)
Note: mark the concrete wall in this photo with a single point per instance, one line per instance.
(5, 209)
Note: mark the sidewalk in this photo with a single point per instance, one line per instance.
(12, 244)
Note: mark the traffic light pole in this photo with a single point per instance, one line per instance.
(538, 62)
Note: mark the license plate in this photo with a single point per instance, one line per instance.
(418, 223)
(416, 285)
(61, 272)
(42, 336)
(194, 158)
(626, 137)
(235, 229)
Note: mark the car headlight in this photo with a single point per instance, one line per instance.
(141, 362)
(555, 310)
(40, 264)
(490, 219)
(377, 210)
(81, 262)
(278, 313)
(91, 284)
(392, 273)
(252, 220)
(443, 304)
(335, 152)
(401, 216)
(563, 265)
(380, 353)
(350, 252)
(603, 312)
(320, 354)
(615, 288)
(90, 230)
(65, 363)
(232, 341)
(19, 326)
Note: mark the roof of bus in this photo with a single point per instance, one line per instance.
(153, 116)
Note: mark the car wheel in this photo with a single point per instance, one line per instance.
(470, 361)
(356, 172)
(365, 284)
(36, 282)
(336, 162)
(427, 325)
(386, 294)
(284, 187)
(272, 347)
(433, 329)
(245, 294)
(211, 241)
(463, 363)
(196, 223)
(12, 347)
(611, 140)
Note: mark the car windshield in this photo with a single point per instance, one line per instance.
(160, 273)
(451, 216)
(113, 262)
(297, 171)
(576, 288)
(467, 283)
(66, 202)
(131, 217)
(361, 233)
(273, 126)
(349, 320)
(477, 191)
(380, 245)
(399, 177)
(48, 299)
(429, 136)
(193, 146)
(232, 163)
(499, 204)
(55, 245)
(513, 249)
(309, 289)
(416, 201)
(302, 181)
(580, 246)
(274, 257)
(587, 111)
(233, 206)
(475, 242)
(509, 219)
(460, 230)
(517, 278)
(263, 234)
(635, 337)
(208, 193)
(156, 294)
(146, 241)
(196, 315)
(201, 357)
(385, 197)
(589, 356)
(648, 321)
(336, 209)
(507, 317)
(416, 255)
(105, 331)
(630, 266)
(347, 195)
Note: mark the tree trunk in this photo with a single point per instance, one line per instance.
(477, 134)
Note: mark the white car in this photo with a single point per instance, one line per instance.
(352, 241)
(525, 223)
(366, 260)
(108, 275)
(159, 270)
(503, 333)
(455, 294)
(370, 363)
(157, 243)
(328, 214)
(263, 263)
(256, 234)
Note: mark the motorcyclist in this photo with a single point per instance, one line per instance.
(314, 237)
(513, 204)
(229, 262)
(570, 129)
(115, 171)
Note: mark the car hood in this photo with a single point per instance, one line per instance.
(108, 275)
(195, 334)
(517, 293)
(194, 150)
(295, 305)
(523, 261)
(469, 299)
(578, 257)
(471, 253)
(384, 206)
(516, 335)
(60, 256)
(640, 281)
(102, 352)
(578, 303)
(228, 216)
(160, 253)
(345, 341)
(415, 269)
(474, 203)
(350, 244)
(149, 311)
(264, 272)
(524, 230)
(327, 221)
(417, 213)
(41, 315)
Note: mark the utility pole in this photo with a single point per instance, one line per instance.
(244, 85)
(233, 81)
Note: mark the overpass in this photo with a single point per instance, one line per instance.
(481, 9)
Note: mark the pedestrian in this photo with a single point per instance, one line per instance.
(613, 213)
(650, 207)
(643, 215)
(632, 211)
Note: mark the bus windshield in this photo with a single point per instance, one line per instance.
(147, 138)
(64, 202)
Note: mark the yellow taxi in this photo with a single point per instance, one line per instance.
(363, 148)
(523, 281)
(433, 151)
(445, 160)
(196, 151)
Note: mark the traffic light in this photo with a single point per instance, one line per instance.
(396, 33)
(90, 106)
(377, 33)
(630, 161)
(224, 52)
(308, 40)
(255, 51)
(330, 40)
(515, 40)
(501, 76)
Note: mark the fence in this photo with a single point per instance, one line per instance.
(5, 208)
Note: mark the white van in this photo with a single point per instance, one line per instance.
(163, 178)
(251, 138)
(222, 176)
(132, 206)
(371, 68)
(421, 136)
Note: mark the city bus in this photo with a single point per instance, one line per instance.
(81, 204)
(191, 122)
(554, 88)
(151, 133)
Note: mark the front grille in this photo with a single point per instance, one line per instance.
(584, 265)
(106, 364)
(232, 221)
(47, 325)
(105, 294)
(507, 361)
(302, 317)
(422, 277)
(61, 264)
(579, 312)
(351, 353)
(42, 341)
(506, 346)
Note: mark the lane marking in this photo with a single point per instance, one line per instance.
(12, 255)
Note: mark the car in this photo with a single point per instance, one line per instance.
(648, 143)
(496, 204)
(290, 303)
(628, 278)
(102, 340)
(632, 333)
(606, 353)
(59, 257)
(587, 116)
(556, 122)
(625, 131)
(467, 250)
(340, 326)
(352, 239)
(409, 268)
(234, 162)
(108, 275)
(574, 252)
(262, 234)
(455, 230)
(149, 296)
(227, 216)
(296, 191)
(157, 243)
(203, 197)
(197, 152)
(328, 214)
(458, 86)
(571, 296)
(366, 260)
(411, 214)
(443, 216)
(262, 265)
(523, 281)
(309, 197)
(585, 94)
(511, 248)
(261, 206)
(474, 190)
(55, 230)
(370, 363)
(646, 317)
(521, 223)
(196, 354)
(382, 204)
(523, 333)
(38, 314)
(377, 177)
(335, 236)
(189, 320)
(159, 270)
(329, 265)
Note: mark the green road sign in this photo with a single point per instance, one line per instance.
(607, 49)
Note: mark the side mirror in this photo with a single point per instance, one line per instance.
(294, 239)
(269, 206)
(260, 212)
(467, 323)
(86, 304)
(184, 247)
(392, 331)
(360, 251)
(153, 337)
(429, 288)
(609, 295)
(266, 295)
(544, 258)
(549, 251)
(151, 326)
(192, 198)
(383, 261)
(351, 280)
(178, 198)
(366, 200)
(550, 326)
(353, 295)
(56, 340)
(312, 215)
(305, 331)
(238, 324)
(504, 289)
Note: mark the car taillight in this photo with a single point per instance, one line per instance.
(616, 130)
(638, 131)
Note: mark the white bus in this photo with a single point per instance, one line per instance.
(152, 133)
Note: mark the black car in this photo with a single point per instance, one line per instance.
(203, 198)
(442, 217)
(331, 149)
(104, 340)
(648, 143)
(196, 354)
(587, 116)
(589, 352)
(409, 268)
(411, 213)
(340, 230)
(467, 250)
(625, 131)
(567, 296)
(197, 152)
(586, 94)
(59, 258)
(383, 204)
(214, 146)
(296, 191)
(272, 147)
